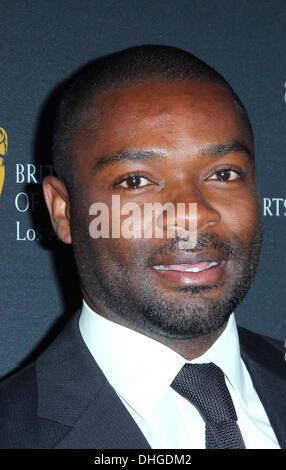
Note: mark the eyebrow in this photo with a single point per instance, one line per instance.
(124, 155)
(224, 149)
(141, 155)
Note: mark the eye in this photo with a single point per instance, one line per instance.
(226, 175)
(134, 182)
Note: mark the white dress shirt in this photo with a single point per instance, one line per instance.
(141, 370)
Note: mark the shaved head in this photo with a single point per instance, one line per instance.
(116, 71)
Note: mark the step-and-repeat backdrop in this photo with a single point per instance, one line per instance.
(41, 44)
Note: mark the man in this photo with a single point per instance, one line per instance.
(154, 358)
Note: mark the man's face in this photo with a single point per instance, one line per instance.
(168, 142)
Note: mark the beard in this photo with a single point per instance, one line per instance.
(127, 289)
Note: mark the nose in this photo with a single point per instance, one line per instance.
(192, 213)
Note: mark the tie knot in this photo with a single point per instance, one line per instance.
(204, 385)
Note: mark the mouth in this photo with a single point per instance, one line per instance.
(187, 268)
(191, 269)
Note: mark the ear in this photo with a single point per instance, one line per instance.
(58, 203)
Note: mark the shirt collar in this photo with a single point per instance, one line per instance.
(141, 369)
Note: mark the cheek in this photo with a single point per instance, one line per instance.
(242, 217)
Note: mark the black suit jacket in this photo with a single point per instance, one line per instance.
(64, 401)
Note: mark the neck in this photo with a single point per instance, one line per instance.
(189, 348)
(192, 348)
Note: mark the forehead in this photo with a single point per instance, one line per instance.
(161, 113)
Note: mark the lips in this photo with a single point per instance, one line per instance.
(188, 258)
(187, 268)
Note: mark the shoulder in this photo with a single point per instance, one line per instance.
(248, 336)
(264, 350)
(17, 389)
(20, 426)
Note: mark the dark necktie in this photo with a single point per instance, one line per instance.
(204, 385)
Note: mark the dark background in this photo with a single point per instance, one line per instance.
(41, 44)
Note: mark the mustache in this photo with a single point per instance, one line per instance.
(205, 241)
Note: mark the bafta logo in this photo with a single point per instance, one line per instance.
(3, 151)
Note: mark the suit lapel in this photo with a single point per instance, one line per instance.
(267, 368)
(73, 391)
(106, 424)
